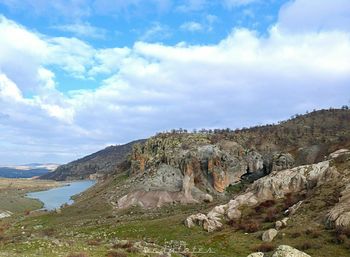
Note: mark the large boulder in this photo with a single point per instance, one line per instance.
(288, 251)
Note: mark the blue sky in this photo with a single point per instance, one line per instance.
(78, 75)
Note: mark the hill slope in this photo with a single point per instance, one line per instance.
(101, 162)
(6, 172)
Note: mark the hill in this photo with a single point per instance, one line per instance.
(96, 164)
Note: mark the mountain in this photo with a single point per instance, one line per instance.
(97, 164)
(27, 170)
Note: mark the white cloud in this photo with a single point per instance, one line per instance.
(315, 15)
(83, 30)
(156, 32)
(192, 26)
(242, 80)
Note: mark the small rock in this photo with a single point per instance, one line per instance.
(269, 235)
(259, 254)
(207, 198)
(278, 225)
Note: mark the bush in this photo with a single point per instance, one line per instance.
(271, 215)
(295, 234)
(265, 247)
(116, 254)
(250, 226)
(308, 245)
(314, 233)
(94, 242)
(264, 205)
(78, 255)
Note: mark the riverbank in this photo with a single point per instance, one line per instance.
(13, 194)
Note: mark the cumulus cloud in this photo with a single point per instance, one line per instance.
(242, 80)
(315, 15)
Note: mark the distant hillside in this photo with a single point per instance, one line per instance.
(101, 162)
(7, 172)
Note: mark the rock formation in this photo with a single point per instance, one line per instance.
(276, 185)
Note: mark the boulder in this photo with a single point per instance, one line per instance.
(338, 153)
(288, 251)
(282, 161)
(269, 235)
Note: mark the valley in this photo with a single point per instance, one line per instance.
(224, 193)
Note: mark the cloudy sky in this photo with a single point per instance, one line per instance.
(78, 75)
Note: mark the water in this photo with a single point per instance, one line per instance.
(54, 198)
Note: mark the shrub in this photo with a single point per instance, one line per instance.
(264, 205)
(309, 245)
(94, 242)
(295, 234)
(343, 231)
(116, 254)
(264, 247)
(132, 250)
(271, 215)
(341, 238)
(78, 255)
(314, 233)
(250, 226)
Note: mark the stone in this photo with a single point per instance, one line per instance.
(288, 251)
(269, 235)
(338, 153)
(284, 221)
(258, 254)
(207, 198)
(278, 225)
(291, 210)
(282, 161)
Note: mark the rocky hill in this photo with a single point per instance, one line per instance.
(94, 165)
(193, 167)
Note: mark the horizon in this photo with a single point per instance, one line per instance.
(78, 76)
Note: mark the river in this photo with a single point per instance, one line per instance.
(54, 198)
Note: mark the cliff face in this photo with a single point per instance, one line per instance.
(97, 164)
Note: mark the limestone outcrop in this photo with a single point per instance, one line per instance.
(276, 185)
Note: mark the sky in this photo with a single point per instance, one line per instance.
(79, 75)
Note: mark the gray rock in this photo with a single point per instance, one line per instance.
(288, 251)
(269, 235)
